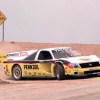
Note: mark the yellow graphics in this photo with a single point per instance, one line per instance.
(3, 57)
(45, 69)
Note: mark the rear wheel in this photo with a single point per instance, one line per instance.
(60, 74)
(17, 72)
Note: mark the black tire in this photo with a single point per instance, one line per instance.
(60, 74)
(17, 72)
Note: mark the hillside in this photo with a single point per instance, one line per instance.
(85, 49)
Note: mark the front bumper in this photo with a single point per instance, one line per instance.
(82, 71)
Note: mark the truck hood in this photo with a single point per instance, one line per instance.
(82, 59)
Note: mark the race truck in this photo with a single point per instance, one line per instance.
(55, 62)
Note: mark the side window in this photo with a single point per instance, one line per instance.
(44, 55)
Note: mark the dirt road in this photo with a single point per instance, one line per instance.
(69, 89)
(84, 88)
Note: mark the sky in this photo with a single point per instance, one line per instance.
(51, 21)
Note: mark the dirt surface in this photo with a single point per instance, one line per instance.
(83, 88)
(69, 89)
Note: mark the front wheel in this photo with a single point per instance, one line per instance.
(60, 74)
(17, 72)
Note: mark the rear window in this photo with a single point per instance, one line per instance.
(32, 56)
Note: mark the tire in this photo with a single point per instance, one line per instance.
(60, 74)
(17, 72)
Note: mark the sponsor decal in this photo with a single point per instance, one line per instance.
(30, 73)
(17, 54)
(23, 54)
(85, 59)
(39, 73)
(31, 67)
(34, 73)
(13, 55)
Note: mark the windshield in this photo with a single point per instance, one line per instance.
(64, 53)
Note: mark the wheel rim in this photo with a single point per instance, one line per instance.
(17, 72)
(57, 74)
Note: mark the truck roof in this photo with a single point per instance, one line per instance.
(55, 48)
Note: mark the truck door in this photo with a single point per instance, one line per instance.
(45, 65)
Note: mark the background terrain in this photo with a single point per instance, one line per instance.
(80, 88)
